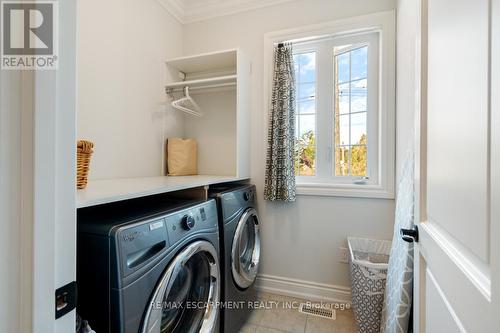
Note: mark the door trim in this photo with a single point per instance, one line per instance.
(420, 160)
(53, 167)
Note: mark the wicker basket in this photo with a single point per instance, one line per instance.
(84, 152)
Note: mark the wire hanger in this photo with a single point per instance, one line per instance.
(187, 104)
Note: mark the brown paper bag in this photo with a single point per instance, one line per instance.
(182, 157)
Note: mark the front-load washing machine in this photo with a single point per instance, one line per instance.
(240, 251)
(149, 265)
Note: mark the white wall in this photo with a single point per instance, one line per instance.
(216, 149)
(407, 24)
(122, 47)
(300, 240)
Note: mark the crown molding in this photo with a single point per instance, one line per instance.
(200, 10)
(211, 9)
(175, 8)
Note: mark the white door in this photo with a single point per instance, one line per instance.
(457, 258)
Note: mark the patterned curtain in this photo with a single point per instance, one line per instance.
(280, 173)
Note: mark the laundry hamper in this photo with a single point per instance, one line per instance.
(368, 260)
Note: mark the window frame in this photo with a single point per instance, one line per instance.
(372, 105)
(324, 128)
(381, 185)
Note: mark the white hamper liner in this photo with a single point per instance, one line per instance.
(368, 259)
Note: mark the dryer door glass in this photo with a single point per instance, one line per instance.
(245, 253)
(186, 298)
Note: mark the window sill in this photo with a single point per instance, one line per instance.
(347, 190)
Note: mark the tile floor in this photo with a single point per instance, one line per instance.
(279, 317)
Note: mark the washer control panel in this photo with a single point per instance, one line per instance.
(192, 219)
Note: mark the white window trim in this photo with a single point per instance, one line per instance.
(384, 24)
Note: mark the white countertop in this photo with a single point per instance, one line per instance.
(111, 190)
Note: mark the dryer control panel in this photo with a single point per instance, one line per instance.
(235, 201)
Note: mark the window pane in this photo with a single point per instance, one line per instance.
(305, 149)
(297, 145)
(343, 73)
(359, 63)
(358, 96)
(343, 137)
(306, 91)
(296, 66)
(307, 65)
(306, 146)
(358, 161)
(342, 161)
(351, 110)
(307, 123)
(343, 98)
(307, 106)
(358, 128)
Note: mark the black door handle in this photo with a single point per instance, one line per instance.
(409, 235)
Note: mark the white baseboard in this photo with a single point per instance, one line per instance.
(303, 289)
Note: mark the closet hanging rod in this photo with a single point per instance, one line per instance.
(192, 83)
(209, 86)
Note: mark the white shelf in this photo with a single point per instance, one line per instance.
(205, 62)
(100, 192)
(202, 82)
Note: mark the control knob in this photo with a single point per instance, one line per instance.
(248, 195)
(187, 222)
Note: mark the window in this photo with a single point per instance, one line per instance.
(345, 95)
(338, 112)
(337, 101)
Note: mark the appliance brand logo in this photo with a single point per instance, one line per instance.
(29, 36)
(132, 236)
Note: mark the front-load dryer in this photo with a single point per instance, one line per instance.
(149, 266)
(240, 251)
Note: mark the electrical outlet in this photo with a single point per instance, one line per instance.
(343, 255)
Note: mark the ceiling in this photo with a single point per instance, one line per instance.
(188, 11)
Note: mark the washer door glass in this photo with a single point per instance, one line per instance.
(186, 298)
(245, 253)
